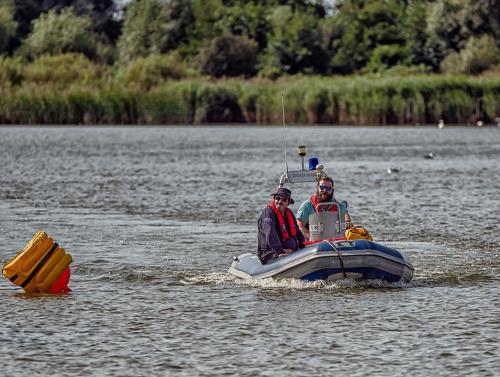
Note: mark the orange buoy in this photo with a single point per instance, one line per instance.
(43, 266)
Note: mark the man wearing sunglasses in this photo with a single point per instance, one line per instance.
(279, 233)
(324, 193)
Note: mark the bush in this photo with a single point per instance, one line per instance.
(55, 34)
(478, 55)
(385, 56)
(62, 70)
(145, 73)
(217, 104)
(229, 55)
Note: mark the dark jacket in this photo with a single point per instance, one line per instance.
(270, 245)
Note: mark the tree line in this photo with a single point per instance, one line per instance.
(258, 38)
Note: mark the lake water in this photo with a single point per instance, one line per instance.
(153, 217)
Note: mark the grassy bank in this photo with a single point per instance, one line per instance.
(32, 95)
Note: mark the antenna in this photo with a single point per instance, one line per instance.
(284, 127)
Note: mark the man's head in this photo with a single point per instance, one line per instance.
(324, 190)
(282, 198)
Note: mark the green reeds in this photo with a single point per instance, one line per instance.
(83, 94)
(10, 72)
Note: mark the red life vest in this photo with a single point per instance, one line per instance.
(281, 219)
(315, 202)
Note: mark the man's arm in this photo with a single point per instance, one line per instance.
(300, 235)
(302, 218)
(303, 229)
(347, 217)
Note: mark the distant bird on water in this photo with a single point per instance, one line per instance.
(429, 156)
(392, 171)
(441, 123)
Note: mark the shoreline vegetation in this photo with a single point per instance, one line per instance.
(192, 62)
(80, 92)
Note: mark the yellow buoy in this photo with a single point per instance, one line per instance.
(39, 265)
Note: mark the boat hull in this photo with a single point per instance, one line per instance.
(326, 260)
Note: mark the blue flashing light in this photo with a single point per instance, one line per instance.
(313, 161)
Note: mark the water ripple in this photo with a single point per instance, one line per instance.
(153, 216)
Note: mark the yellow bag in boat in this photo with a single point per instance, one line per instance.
(38, 266)
(358, 233)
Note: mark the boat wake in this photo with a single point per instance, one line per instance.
(294, 284)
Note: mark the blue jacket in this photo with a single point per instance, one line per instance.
(270, 245)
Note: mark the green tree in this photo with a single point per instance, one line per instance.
(55, 34)
(422, 50)
(294, 43)
(206, 25)
(361, 27)
(179, 17)
(7, 25)
(139, 34)
(153, 27)
(455, 21)
(444, 28)
(386, 56)
(478, 54)
(451, 24)
(101, 12)
(229, 55)
(248, 19)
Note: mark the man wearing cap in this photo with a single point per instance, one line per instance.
(279, 234)
(324, 193)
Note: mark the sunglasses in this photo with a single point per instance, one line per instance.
(326, 188)
(281, 198)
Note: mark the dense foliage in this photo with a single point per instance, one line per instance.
(267, 38)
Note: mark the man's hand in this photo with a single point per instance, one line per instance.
(286, 252)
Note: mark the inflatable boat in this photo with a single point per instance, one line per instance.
(332, 252)
(330, 260)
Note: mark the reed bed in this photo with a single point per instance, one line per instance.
(95, 97)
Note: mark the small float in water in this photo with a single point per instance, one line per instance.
(42, 266)
(333, 252)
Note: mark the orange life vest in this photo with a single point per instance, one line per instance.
(315, 202)
(281, 219)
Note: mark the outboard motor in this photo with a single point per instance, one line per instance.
(324, 225)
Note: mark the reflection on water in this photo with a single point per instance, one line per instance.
(152, 217)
